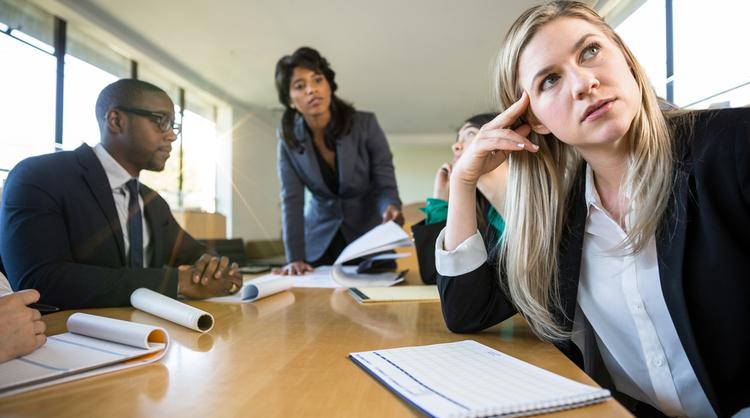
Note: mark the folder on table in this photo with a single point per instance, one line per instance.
(395, 294)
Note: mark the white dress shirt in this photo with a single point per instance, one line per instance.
(118, 177)
(621, 297)
(5, 288)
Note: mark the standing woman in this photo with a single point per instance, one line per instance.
(339, 154)
(627, 239)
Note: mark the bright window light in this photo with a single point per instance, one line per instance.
(200, 159)
(27, 108)
(83, 82)
(33, 41)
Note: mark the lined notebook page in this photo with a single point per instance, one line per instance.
(470, 379)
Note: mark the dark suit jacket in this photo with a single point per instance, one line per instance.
(60, 234)
(367, 185)
(703, 247)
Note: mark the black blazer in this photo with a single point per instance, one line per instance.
(425, 236)
(703, 248)
(60, 234)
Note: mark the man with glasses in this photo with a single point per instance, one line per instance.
(80, 228)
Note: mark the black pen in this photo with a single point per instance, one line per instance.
(42, 308)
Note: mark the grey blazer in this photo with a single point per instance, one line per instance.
(367, 185)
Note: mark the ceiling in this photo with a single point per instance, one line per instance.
(422, 66)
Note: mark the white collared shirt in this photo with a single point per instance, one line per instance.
(118, 178)
(621, 297)
(5, 288)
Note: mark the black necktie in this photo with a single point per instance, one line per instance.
(135, 226)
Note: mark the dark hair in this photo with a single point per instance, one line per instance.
(123, 92)
(480, 119)
(342, 113)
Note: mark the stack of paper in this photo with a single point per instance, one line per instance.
(385, 237)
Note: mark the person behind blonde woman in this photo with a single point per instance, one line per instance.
(490, 195)
(627, 236)
(21, 327)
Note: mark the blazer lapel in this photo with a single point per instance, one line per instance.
(571, 248)
(670, 247)
(96, 178)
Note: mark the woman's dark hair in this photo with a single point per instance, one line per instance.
(342, 113)
(480, 119)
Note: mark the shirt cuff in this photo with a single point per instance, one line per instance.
(467, 257)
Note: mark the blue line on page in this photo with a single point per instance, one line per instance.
(57, 338)
(42, 365)
(420, 382)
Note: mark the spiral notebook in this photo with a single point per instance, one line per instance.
(468, 379)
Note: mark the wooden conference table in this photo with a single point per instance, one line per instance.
(282, 356)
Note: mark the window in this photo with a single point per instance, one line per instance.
(27, 109)
(28, 88)
(89, 67)
(644, 33)
(711, 68)
(200, 147)
(710, 53)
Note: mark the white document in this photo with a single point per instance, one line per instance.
(468, 379)
(258, 288)
(319, 278)
(94, 345)
(347, 276)
(383, 237)
(172, 310)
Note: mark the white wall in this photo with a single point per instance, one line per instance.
(417, 159)
(256, 213)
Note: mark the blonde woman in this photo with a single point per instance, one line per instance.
(627, 240)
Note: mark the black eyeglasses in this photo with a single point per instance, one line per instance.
(161, 119)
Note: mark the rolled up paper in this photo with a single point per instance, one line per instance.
(110, 329)
(265, 286)
(172, 310)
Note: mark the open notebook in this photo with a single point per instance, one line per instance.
(468, 379)
(94, 345)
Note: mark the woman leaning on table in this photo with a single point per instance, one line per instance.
(627, 240)
(339, 154)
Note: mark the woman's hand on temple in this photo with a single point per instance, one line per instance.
(295, 268)
(492, 145)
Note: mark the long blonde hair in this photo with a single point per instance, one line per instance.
(539, 184)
